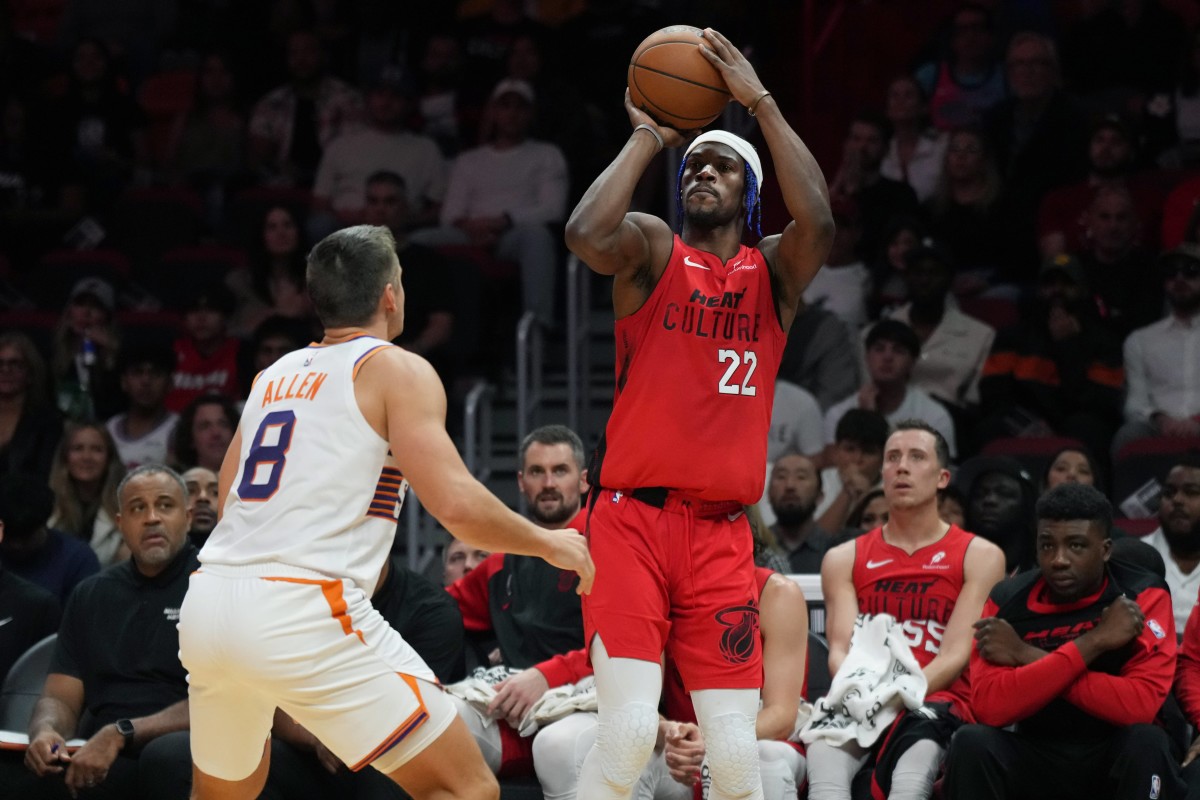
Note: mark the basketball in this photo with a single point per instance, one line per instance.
(673, 83)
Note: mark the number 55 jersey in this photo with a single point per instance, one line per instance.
(695, 380)
(316, 488)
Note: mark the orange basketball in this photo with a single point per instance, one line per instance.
(672, 81)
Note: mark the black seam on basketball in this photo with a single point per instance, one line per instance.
(661, 110)
(637, 66)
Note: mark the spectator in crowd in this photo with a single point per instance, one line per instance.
(488, 37)
(131, 32)
(459, 558)
(529, 607)
(869, 513)
(142, 433)
(964, 212)
(859, 180)
(795, 423)
(1000, 497)
(1177, 538)
(1116, 263)
(202, 493)
(819, 355)
(84, 357)
(204, 432)
(292, 125)
(952, 506)
(439, 85)
(1072, 464)
(877, 573)
(901, 235)
(1078, 656)
(274, 337)
(793, 491)
(84, 477)
(892, 350)
(95, 129)
(275, 284)
(41, 555)
(916, 151)
(119, 632)
(505, 195)
(430, 290)
(1112, 162)
(383, 144)
(855, 459)
(31, 614)
(1162, 360)
(1171, 115)
(206, 356)
(1058, 372)
(1039, 135)
(954, 346)
(207, 139)
(1114, 54)
(967, 83)
(843, 285)
(29, 423)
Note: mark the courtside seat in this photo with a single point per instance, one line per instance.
(23, 685)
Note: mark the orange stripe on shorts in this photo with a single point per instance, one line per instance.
(414, 721)
(332, 591)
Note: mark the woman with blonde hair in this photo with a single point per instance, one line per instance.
(84, 478)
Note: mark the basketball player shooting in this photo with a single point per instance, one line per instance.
(701, 321)
(279, 615)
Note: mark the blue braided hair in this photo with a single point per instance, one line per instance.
(753, 202)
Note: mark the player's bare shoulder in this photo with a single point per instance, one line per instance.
(983, 561)
(839, 560)
(392, 377)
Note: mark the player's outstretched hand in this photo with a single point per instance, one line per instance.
(569, 550)
(739, 75)
(670, 136)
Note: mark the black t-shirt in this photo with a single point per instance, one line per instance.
(428, 288)
(28, 614)
(428, 619)
(119, 636)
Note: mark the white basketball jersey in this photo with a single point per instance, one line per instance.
(315, 487)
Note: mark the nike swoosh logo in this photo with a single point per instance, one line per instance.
(734, 516)
(688, 260)
(5, 621)
(874, 564)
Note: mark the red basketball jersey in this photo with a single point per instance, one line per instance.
(919, 590)
(696, 370)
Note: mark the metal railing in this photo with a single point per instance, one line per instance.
(530, 377)
(477, 429)
(579, 358)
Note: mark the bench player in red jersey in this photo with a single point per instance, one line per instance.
(933, 578)
(701, 320)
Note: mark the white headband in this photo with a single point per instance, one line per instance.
(738, 145)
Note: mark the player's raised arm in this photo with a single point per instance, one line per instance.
(601, 231)
(796, 254)
(415, 407)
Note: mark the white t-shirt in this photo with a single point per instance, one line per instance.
(842, 290)
(916, 405)
(353, 157)
(149, 449)
(1184, 586)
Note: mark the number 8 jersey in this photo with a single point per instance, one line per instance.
(316, 489)
(696, 368)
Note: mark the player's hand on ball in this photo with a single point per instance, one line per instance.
(739, 75)
(569, 550)
(670, 136)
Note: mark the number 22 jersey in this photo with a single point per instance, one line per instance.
(696, 368)
(316, 487)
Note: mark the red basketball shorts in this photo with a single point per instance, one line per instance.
(680, 577)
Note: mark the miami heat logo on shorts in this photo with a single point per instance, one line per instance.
(740, 636)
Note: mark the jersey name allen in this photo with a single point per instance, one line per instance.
(285, 389)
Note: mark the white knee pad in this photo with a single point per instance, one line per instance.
(625, 740)
(782, 768)
(484, 730)
(732, 753)
(558, 753)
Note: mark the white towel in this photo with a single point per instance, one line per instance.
(479, 688)
(879, 679)
(559, 702)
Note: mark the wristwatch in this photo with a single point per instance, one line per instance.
(125, 728)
